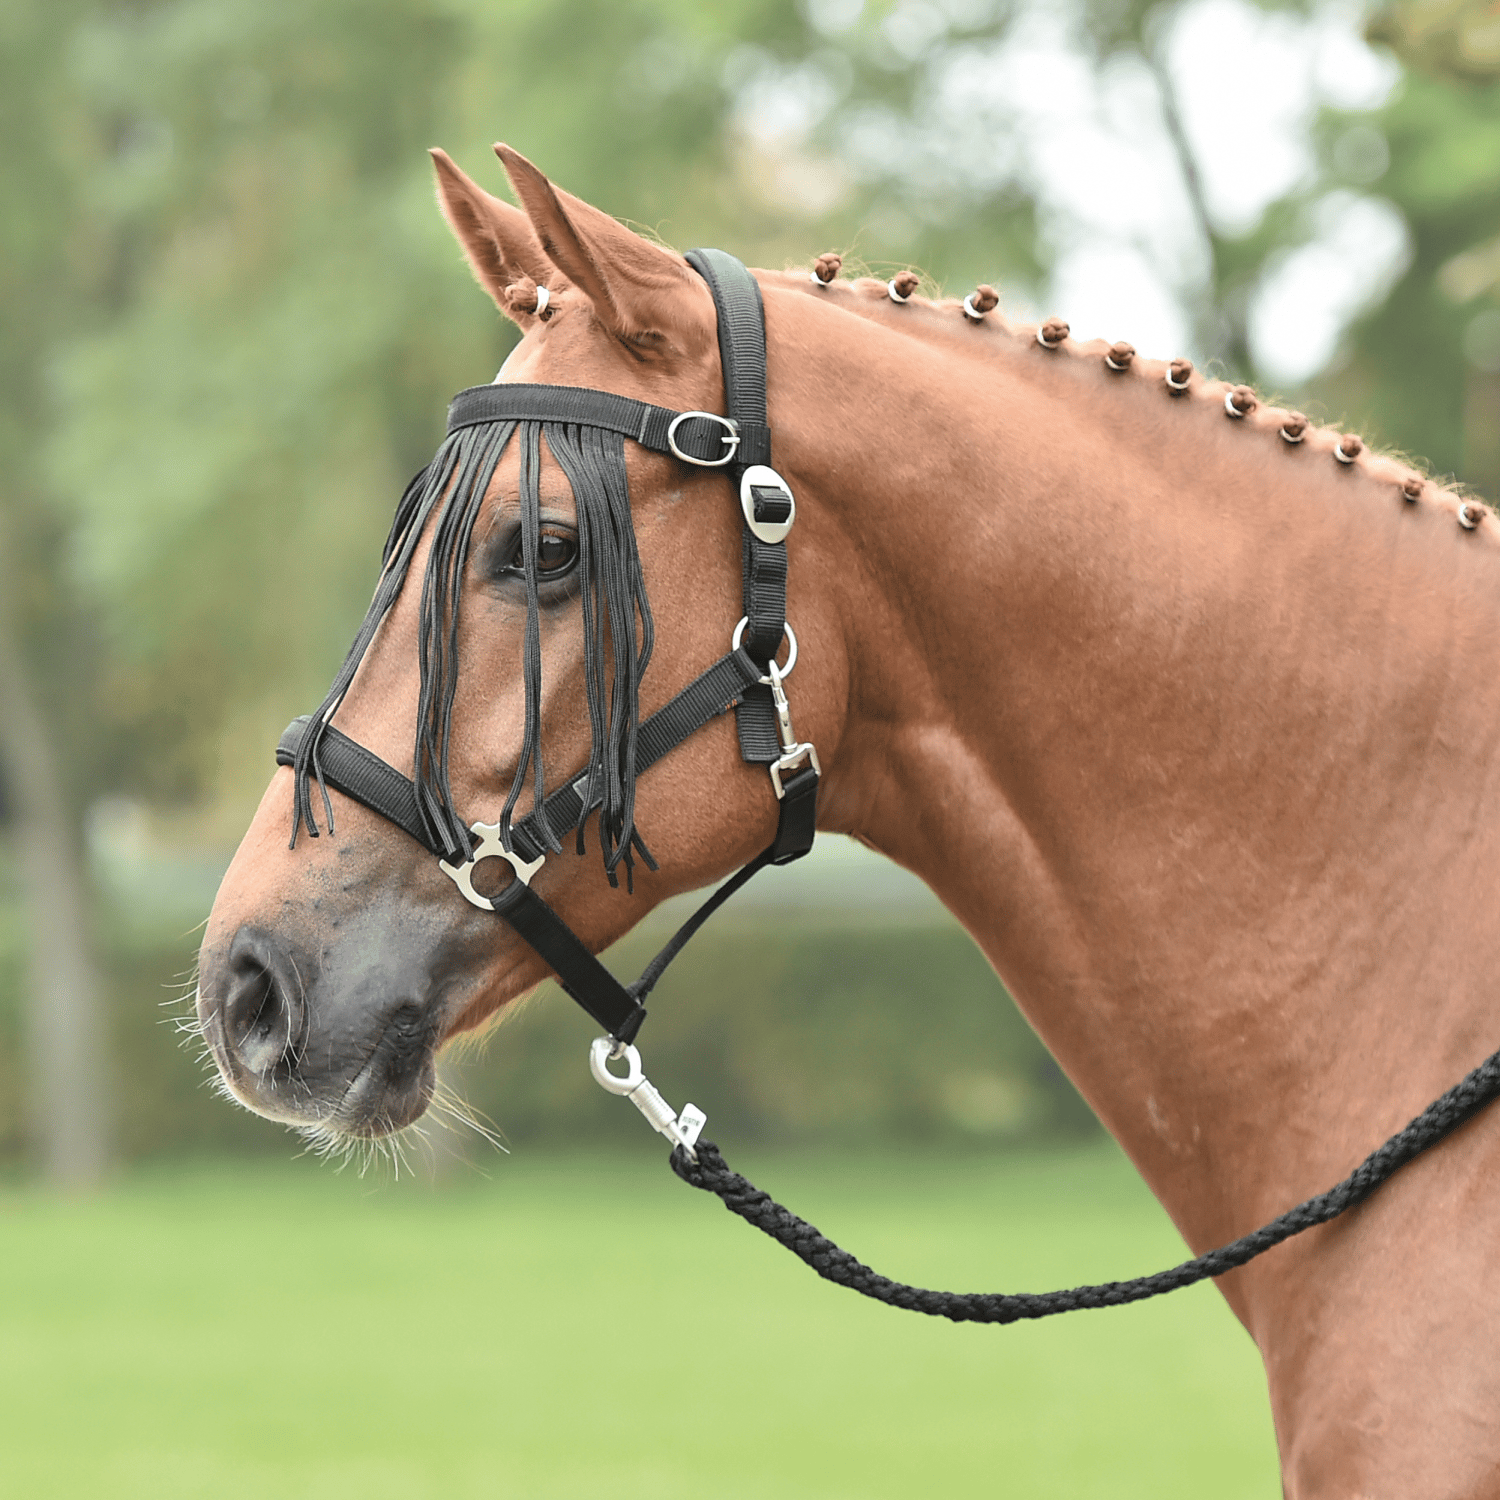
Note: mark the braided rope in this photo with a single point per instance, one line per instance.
(711, 1173)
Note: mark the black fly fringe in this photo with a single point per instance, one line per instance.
(531, 744)
(437, 640)
(616, 620)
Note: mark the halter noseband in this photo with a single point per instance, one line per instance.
(746, 678)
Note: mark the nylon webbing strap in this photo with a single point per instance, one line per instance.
(577, 970)
(742, 352)
(797, 823)
(697, 436)
(349, 768)
(742, 348)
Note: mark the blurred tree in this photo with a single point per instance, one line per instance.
(1424, 365)
(46, 697)
(291, 314)
(933, 141)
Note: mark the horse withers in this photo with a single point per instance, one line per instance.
(1184, 708)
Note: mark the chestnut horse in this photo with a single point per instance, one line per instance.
(1190, 725)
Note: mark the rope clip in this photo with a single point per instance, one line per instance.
(794, 752)
(682, 1130)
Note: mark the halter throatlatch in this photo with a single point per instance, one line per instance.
(585, 431)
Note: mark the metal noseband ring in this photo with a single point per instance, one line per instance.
(488, 847)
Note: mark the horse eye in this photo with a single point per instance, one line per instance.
(556, 552)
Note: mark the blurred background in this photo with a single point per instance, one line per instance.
(232, 320)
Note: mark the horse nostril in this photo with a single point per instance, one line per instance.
(265, 1016)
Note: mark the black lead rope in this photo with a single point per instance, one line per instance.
(1438, 1121)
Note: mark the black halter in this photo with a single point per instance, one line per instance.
(746, 678)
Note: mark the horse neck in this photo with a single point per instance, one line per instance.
(1188, 726)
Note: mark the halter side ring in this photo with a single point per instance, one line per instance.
(791, 655)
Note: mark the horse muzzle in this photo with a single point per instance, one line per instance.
(342, 1061)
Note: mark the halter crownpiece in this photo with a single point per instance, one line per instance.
(585, 430)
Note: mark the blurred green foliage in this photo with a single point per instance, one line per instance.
(785, 1030)
(233, 317)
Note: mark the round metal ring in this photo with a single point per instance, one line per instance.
(543, 297)
(791, 655)
(971, 312)
(731, 441)
(896, 296)
(1230, 409)
(1045, 342)
(1173, 385)
(1469, 515)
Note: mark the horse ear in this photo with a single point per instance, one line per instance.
(496, 237)
(637, 288)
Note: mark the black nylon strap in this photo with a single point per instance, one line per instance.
(755, 720)
(361, 774)
(648, 425)
(798, 823)
(742, 353)
(764, 573)
(742, 350)
(577, 970)
(679, 939)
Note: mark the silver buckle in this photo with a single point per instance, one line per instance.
(731, 440)
(794, 757)
(766, 477)
(488, 847)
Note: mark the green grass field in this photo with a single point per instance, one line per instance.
(591, 1327)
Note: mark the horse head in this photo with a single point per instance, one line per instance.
(545, 588)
